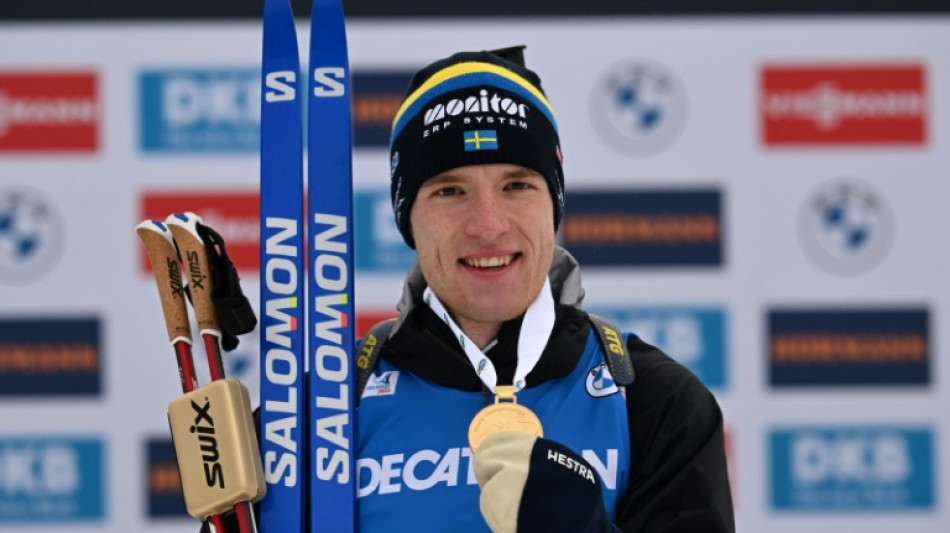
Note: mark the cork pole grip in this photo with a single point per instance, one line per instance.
(163, 257)
(194, 259)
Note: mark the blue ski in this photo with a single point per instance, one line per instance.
(283, 404)
(330, 313)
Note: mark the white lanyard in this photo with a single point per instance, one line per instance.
(535, 330)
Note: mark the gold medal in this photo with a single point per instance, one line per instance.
(504, 415)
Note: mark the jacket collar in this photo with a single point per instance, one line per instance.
(424, 345)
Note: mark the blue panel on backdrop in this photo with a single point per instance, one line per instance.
(379, 245)
(694, 336)
(51, 480)
(852, 469)
(200, 110)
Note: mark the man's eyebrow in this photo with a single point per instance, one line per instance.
(523, 173)
(441, 179)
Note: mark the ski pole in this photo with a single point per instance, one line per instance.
(162, 255)
(194, 256)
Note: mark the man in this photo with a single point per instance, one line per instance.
(477, 189)
(490, 313)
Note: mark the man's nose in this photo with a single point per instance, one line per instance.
(485, 216)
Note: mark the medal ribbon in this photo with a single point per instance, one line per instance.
(535, 330)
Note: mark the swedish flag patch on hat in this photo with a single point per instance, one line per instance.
(480, 140)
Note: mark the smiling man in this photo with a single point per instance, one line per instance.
(499, 410)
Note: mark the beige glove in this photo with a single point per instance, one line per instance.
(501, 468)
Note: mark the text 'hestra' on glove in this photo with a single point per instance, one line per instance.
(537, 485)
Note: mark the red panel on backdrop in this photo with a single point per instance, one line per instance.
(367, 318)
(235, 215)
(843, 104)
(49, 112)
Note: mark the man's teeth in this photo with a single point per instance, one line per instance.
(489, 262)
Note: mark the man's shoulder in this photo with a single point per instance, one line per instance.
(661, 380)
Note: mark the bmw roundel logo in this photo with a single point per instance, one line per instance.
(600, 382)
(31, 235)
(846, 227)
(638, 107)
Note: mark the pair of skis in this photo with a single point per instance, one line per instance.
(307, 426)
(212, 428)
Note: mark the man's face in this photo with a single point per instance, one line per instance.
(485, 239)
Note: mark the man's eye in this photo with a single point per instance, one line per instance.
(446, 191)
(519, 185)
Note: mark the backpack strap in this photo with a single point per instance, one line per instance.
(368, 353)
(615, 350)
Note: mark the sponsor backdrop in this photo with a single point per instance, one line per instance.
(761, 197)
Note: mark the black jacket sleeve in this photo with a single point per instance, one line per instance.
(678, 480)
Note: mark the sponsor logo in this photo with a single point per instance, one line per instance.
(638, 107)
(849, 347)
(203, 427)
(32, 232)
(200, 110)
(573, 465)
(381, 385)
(482, 103)
(600, 383)
(476, 140)
(645, 228)
(331, 286)
(846, 227)
(51, 480)
(329, 82)
(376, 97)
(49, 112)
(453, 468)
(614, 343)
(843, 104)
(481, 108)
(195, 277)
(282, 347)
(380, 248)
(852, 469)
(367, 347)
(50, 357)
(165, 496)
(235, 215)
(280, 86)
(174, 277)
(694, 336)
